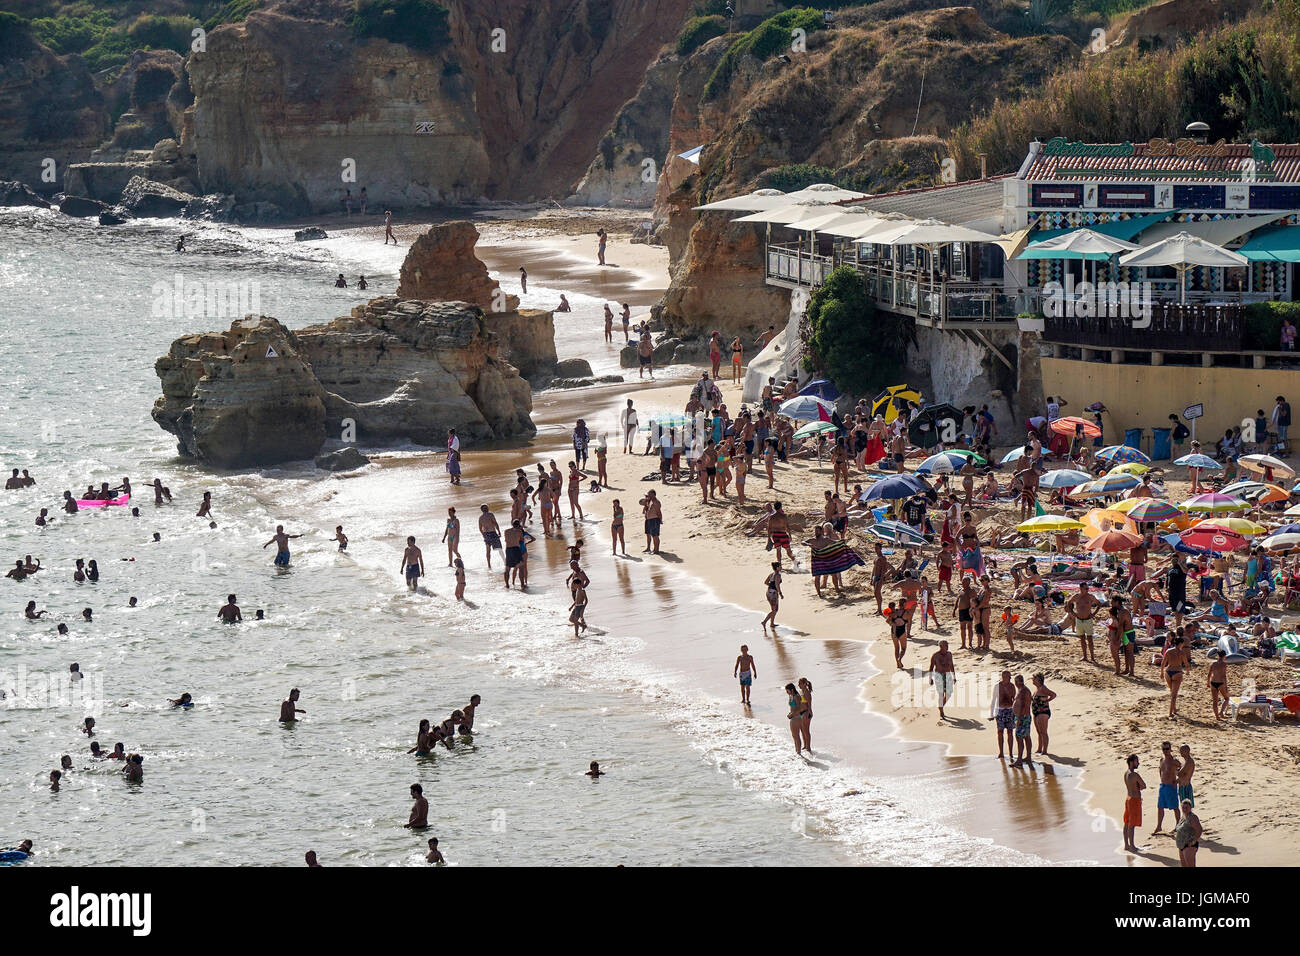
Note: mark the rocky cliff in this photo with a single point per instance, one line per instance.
(850, 107)
(393, 370)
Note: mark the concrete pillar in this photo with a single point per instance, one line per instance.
(1207, 360)
(1116, 357)
(1258, 361)
(1058, 351)
(1157, 358)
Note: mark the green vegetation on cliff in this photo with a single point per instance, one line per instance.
(420, 24)
(699, 31)
(774, 35)
(857, 348)
(1244, 80)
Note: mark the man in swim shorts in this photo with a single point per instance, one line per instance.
(1021, 710)
(1185, 771)
(419, 819)
(289, 708)
(746, 670)
(514, 551)
(229, 613)
(491, 531)
(1133, 787)
(281, 542)
(412, 563)
(1167, 794)
(1004, 699)
(943, 675)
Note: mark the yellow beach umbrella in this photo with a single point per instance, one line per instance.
(1049, 523)
(1239, 525)
(1130, 468)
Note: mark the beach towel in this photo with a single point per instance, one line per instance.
(834, 558)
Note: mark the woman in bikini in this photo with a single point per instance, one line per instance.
(616, 529)
(774, 595)
(805, 722)
(737, 358)
(715, 353)
(575, 486)
(460, 579)
(795, 716)
(1174, 665)
(422, 743)
(897, 618)
(840, 463)
(1040, 706)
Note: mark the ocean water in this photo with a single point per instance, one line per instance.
(85, 312)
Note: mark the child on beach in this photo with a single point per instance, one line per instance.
(460, 580)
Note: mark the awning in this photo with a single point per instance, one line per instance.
(1278, 244)
(1218, 231)
(1124, 229)
(1013, 243)
(692, 155)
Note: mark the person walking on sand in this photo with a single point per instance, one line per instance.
(281, 542)
(601, 238)
(774, 595)
(388, 227)
(1133, 787)
(1167, 795)
(412, 563)
(897, 618)
(1185, 771)
(879, 570)
(746, 670)
(943, 675)
(778, 532)
(654, 516)
(575, 488)
(617, 538)
(451, 537)
(1176, 663)
(1216, 678)
(628, 419)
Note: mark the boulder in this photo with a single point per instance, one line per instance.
(311, 232)
(527, 339)
(165, 151)
(627, 356)
(573, 368)
(18, 194)
(664, 351)
(441, 265)
(214, 207)
(584, 382)
(242, 398)
(144, 198)
(113, 217)
(80, 206)
(346, 458)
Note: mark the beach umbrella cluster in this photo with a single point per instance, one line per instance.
(1212, 502)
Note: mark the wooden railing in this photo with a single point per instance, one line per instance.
(1193, 326)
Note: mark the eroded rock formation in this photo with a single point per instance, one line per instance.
(260, 394)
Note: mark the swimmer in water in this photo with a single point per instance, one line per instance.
(340, 282)
(361, 283)
(69, 503)
(42, 519)
(595, 770)
(157, 536)
(422, 742)
(92, 571)
(311, 858)
(460, 580)
(467, 715)
(281, 542)
(119, 752)
(180, 244)
(289, 708)
(31, 567)
(451, 537)
(95, 751)
(341, 538)
(86, 614)
(182, 701)
(65, 762)
(54, 781)
(134, 769)
(205, 509)
(419, 810)
(18, 572)
(230, 611)
(31, 613)
(260, 615)
(412, 563)
(88, 726)
(133, 602)
(159, 492)
(63, 629)
(434, 856)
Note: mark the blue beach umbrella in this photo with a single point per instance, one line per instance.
(895, 487)
(896, 532)
(1198, 461)
(943, 463)
(1122, 453)
(1064, 478)
(1014, 454)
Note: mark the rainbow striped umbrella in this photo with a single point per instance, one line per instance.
(1148, 509)
(1213, 503)
(1105, 485)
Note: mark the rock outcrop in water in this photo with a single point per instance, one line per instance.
(441, 265)
(394, 370)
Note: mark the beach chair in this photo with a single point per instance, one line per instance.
(1252, 705)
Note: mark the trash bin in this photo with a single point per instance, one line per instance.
(1160, 444)
(1133, 438)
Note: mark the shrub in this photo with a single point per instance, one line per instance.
(152, 83)
(153, 32)
(15, 35)
(857, 348)
(766, 40)
(796, 176)
(69, 34)
(112, 50)
(1262, 324)
(236, 11)
(419, 24)
(699, 31)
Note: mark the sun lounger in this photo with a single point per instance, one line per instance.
(1249, 705)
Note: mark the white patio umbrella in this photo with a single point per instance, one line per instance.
(788, 213)
(825, 191)
(829, 221)
(1078, 244)
(758, 200)
(1182, 252)
(928, 233)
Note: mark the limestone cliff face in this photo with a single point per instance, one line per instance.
(284, 98)
(282, 104)
(259, 394)
(850, 104)
(527, 339)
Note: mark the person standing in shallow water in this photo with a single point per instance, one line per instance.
(388, 227)
(412, 563)
(746, 670)
(281, 542)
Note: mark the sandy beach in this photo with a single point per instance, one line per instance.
(1097, 720)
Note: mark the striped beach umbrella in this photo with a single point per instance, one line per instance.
(943, 463)
(1148, 509)
(896, 532)
(1240, 525)
(1048, 524)
(1261, 462)
(1130, 468)
(1122, 453)
(1213, 503)
(1105, 485)
(1068, 424)
(814, 428)
(1282, 541)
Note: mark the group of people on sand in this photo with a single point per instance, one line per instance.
(1174, 794)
